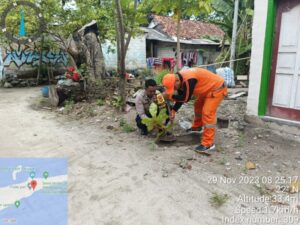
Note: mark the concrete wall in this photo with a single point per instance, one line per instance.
(23, 61)
(135, 58)
(258, 41)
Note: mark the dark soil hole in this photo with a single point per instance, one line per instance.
(183, 140)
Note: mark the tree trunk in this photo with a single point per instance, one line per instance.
(40, 60)
(73, 62)
(121, 39)
(178, 42)
(94, 56)
(118, 44)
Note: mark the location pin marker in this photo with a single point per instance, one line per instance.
(32, 174)
(46, 174)
(33, 184)
(17, 204)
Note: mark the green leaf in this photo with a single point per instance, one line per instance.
(149, 123)
(250, 12)
(153, 110)
(162, 115)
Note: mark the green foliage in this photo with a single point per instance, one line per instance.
(118, 102)
(181, 8)
(159, 77)
(90, 111)
(217, 199)
(100, 102)
(145, 73)
(157, 121)
(241, 141)
(69, 105)
(152, 146)
(126, 127)
(222, 161)
(83, 71)
(64, 21)
(223, 16)
(263, 190)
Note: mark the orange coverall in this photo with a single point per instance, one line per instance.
(209, 89)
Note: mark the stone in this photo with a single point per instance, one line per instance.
(7, 85)
(23, 83)
(250, 165)
(109, 127)
(238, 158)
(165, 174)
(15, 82)
(255, 120)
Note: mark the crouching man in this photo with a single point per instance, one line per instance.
(142, 103)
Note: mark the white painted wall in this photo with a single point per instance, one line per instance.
(258, 41)
(165, 50)
(136, 54)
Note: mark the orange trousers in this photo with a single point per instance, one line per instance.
(205, 108)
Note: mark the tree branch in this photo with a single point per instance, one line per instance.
(131, 27)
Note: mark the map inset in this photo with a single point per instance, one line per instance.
(33, 191)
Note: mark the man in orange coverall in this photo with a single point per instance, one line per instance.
(209, 90)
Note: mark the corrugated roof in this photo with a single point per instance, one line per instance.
(153, 34)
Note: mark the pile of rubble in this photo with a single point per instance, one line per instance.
(11, 81)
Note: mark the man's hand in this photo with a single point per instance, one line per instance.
(173, 114)
(166, 96)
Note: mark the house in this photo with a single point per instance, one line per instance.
(274, 88)
(200, 42)
(156, 44)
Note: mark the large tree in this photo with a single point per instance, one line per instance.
(129, 15)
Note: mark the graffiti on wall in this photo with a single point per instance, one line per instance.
(27, 56)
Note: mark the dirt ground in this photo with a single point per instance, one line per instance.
(133, 181)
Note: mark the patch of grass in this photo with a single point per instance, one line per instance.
(152, 146)
(145, 73)
(127, 128)
(117, 102)
(122, 122)
(222, 161)
(220, 148)
(245, 170)
(100, 102)
(90, 111)
(262, 190)
(69, 105)
(218, 199)
(241, 141)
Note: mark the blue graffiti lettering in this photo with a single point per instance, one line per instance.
(26, 56)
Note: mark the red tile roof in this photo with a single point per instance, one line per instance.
(190, 29)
